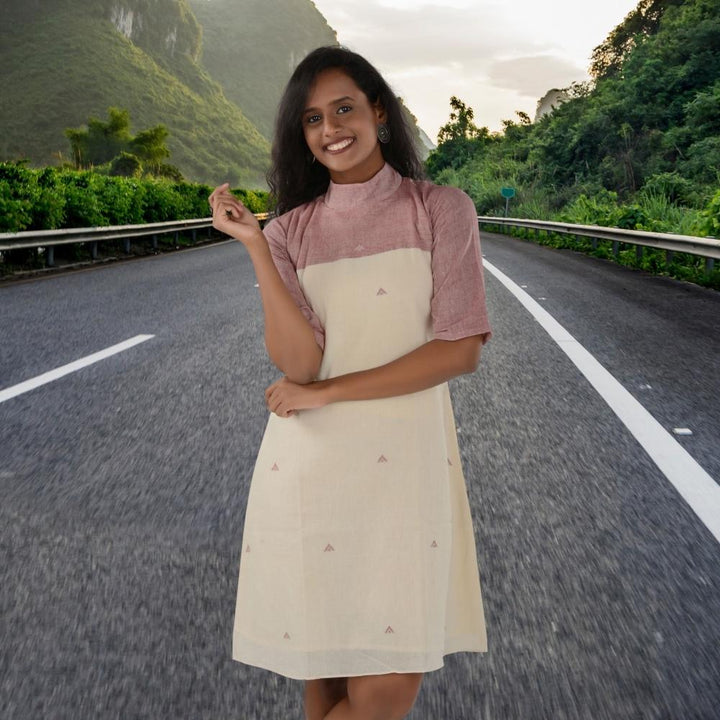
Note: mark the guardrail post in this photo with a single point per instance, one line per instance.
(669, 255)
(639, 253)
(593, 243)
(709, 265)
(177, 237)
(616, 248)
(126, 243)
(154, 240)
(50, 256)
(93, 250)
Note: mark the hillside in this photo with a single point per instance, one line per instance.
(66, 61)
(648, 127)
(211, 71)
(250, 47)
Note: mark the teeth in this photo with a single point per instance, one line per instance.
(339, 146)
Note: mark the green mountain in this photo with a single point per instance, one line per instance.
(65, 61)
(251, 47)
(647, 127)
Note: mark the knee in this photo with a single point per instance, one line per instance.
(385, 697)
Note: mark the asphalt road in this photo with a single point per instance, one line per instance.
(124, 486)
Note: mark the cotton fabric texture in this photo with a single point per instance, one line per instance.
(358, 555)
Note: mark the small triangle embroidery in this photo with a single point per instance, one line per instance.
(275, 467)
(286, 636)
(382, 458)
(434, 544)
(389, 630)
(329, 548)
(381, 292)
(449, 462)
(359, 248)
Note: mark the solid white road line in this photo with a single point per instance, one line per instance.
(695, 485)
(51, 375)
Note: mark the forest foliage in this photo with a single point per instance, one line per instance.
(637, 147)
(56, 198)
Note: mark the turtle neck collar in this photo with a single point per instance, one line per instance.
(380, 186)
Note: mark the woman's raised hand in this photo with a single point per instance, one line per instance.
(231, 217)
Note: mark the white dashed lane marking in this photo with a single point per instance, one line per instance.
(38, 380)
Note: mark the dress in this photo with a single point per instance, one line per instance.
(358, 555)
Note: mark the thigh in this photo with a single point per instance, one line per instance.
(322, 694)
(390, 695)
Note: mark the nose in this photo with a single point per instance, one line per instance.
(330, 125)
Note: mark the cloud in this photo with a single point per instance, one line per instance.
(403, 39)
(497, 56)
(534, 75)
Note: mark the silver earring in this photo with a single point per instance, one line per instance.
(383, 133)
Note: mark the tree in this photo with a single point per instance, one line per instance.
(103, 142)
(458, 140)
(461, 125)
(100, 142)
(644, 20)
(149, 146)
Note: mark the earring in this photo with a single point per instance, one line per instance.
(383, 133)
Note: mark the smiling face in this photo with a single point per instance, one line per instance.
(340, 127)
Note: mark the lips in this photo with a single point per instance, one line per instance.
(340, 145)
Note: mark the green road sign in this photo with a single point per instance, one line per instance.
(508, 192)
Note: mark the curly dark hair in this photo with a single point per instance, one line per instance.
(294, 178)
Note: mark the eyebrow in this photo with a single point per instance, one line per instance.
(333, 102)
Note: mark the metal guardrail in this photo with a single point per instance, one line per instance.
(706, 247)
(48, 239)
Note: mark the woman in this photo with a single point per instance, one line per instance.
(358, 569)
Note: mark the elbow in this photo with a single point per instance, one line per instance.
(300, 371)
(299, 376)
(470, 358)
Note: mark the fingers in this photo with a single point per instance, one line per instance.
(223, 202)
(227, 204)
(269, 390)
(219, 189)
(276, 401)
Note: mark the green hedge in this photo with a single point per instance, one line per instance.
(54, 198)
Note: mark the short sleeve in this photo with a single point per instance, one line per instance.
(275, 235)
(458, 304)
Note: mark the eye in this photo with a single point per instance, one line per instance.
(312, 119)
(344, 109)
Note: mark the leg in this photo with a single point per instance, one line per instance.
(378, 697)
(323, 694)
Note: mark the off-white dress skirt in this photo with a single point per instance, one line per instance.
(358, 554)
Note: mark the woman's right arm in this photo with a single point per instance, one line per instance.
(289, 338)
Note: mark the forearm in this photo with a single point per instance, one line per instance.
(431, 364)
(289, 339)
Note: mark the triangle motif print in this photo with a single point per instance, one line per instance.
(381, 292)
(275, 467)
(434, 544)
(389, 630)
(329, 548)
(286, 636)
(382, 458)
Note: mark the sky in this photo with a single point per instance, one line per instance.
(497, 56)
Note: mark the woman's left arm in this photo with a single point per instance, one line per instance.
(431, 364)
